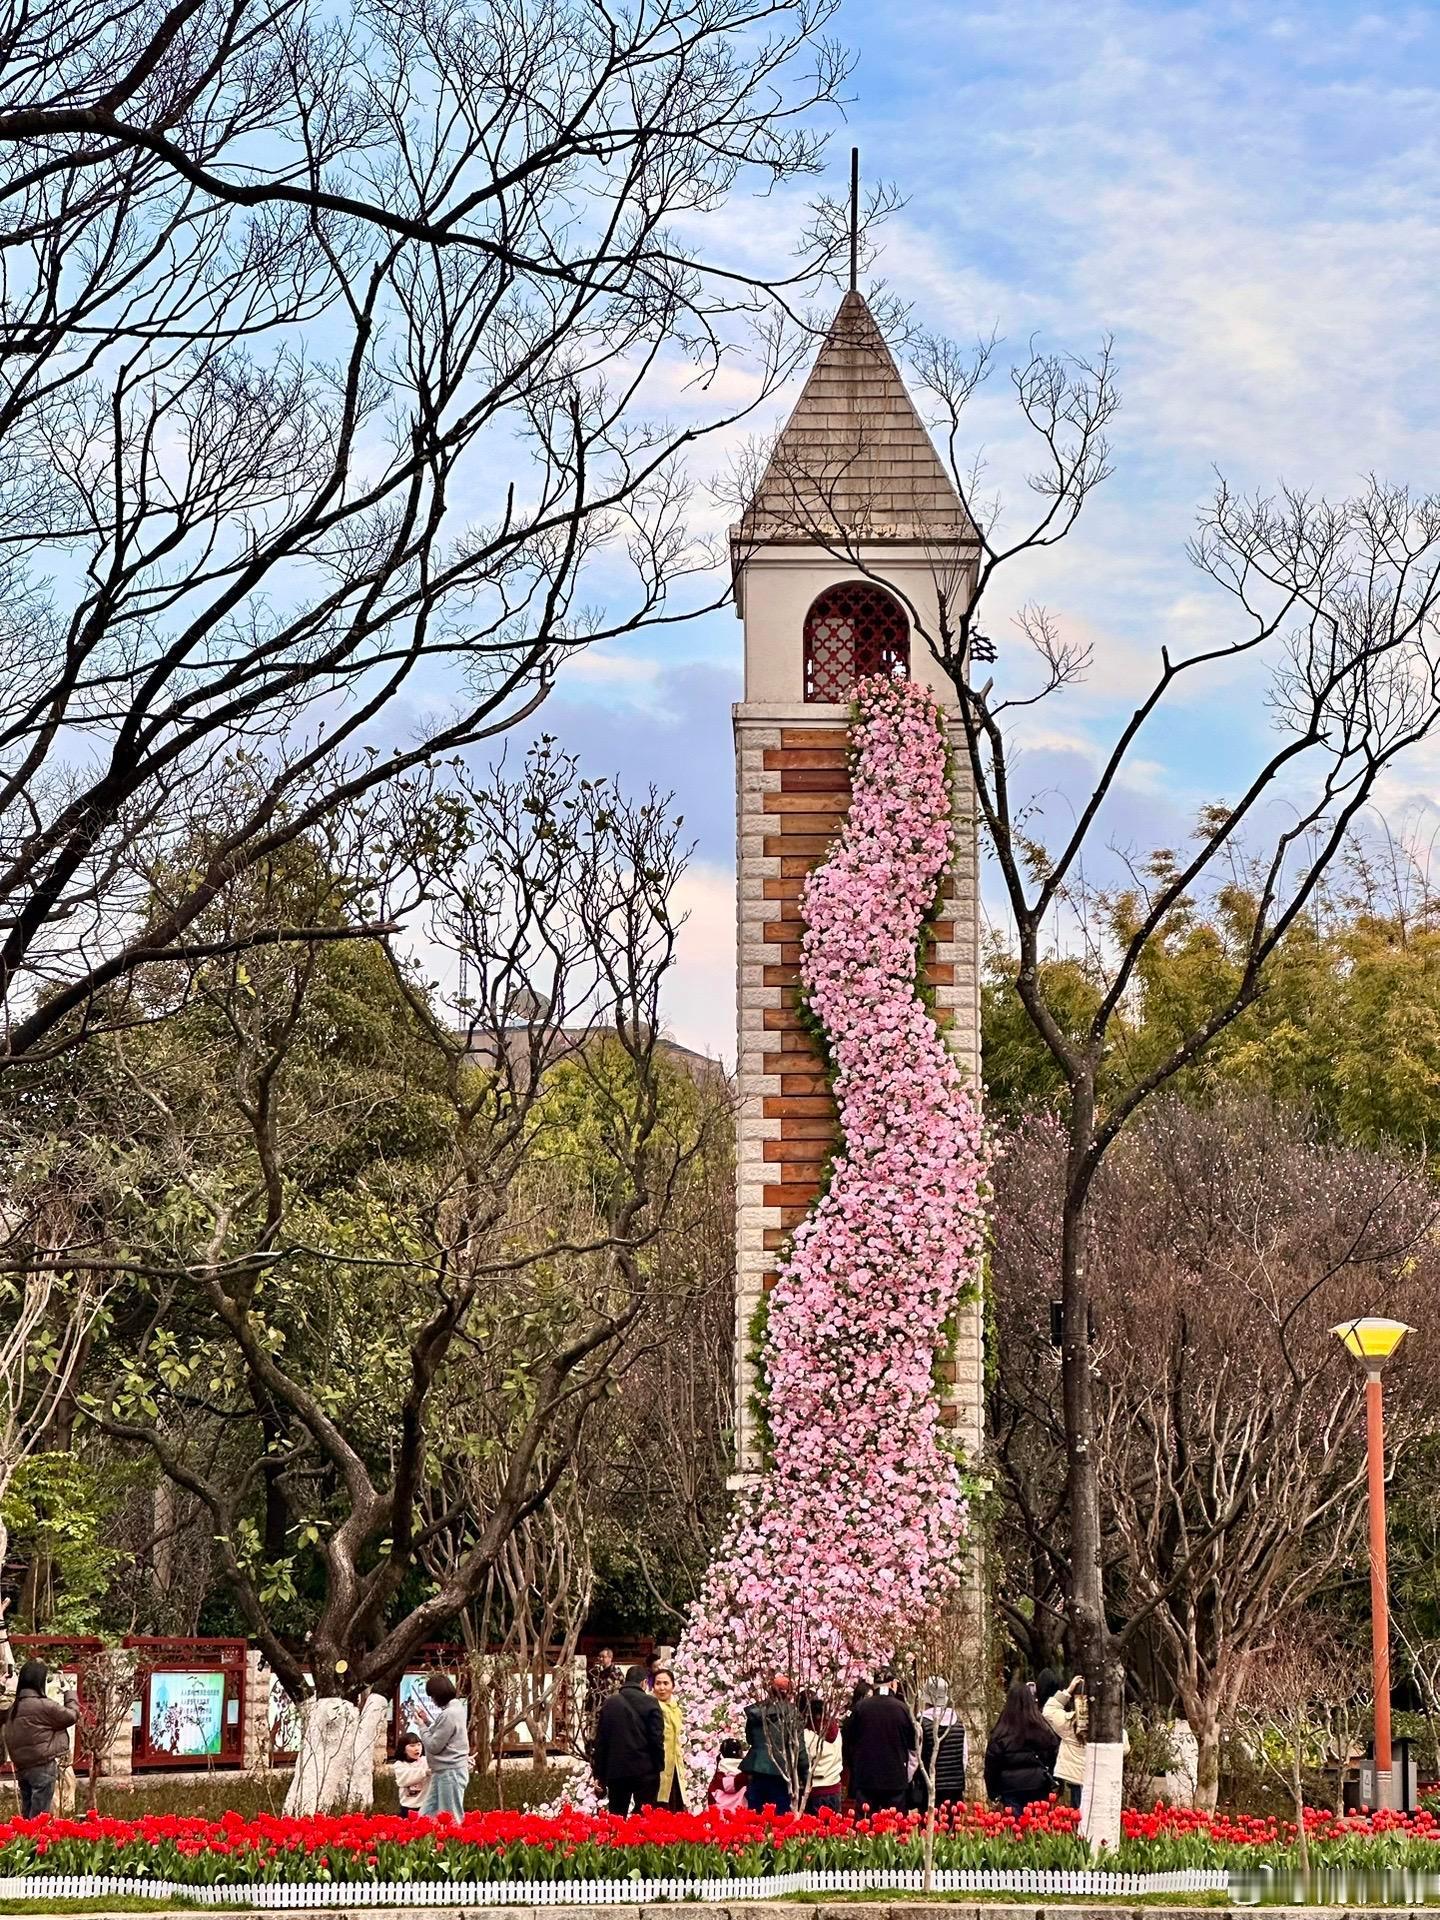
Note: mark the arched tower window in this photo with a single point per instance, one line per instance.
(852, 631)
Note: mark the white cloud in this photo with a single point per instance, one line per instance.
(699, 999)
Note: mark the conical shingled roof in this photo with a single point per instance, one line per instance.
(854, 460)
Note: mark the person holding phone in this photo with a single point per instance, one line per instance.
(37, 1737)
(1067, 1711)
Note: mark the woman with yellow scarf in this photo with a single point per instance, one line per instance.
(672, 1774)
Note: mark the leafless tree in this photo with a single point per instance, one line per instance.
(288, 1365)
(1299, 1712)
(522, 1633)
(659, 1451)
(110, 1680)
(1229, 1442)
(1332, 609)
(944, 1660)
(344, 352)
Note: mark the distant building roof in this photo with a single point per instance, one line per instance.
(854, 459)
(558, 1043)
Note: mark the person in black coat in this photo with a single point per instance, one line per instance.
(1020, 1759)
(878, 1741)
(630, 1745)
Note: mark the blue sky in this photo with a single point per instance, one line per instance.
(1248, 199)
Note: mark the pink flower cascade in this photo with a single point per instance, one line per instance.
(854, 1533)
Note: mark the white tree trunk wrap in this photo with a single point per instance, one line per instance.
(335, 1766)
(1102, 1794)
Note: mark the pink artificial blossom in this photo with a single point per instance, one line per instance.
(854, 1533)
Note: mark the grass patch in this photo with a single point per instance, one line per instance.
(120, 1903)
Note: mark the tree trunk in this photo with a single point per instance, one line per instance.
(1104, 1676)
(1302, 1838)
(335, 1767)
(1206, 1730)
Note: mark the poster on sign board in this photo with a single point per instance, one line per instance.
(187, 1712)
(284, 1718)
(413, 1701)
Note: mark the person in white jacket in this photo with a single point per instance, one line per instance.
(1066, 1712)
(412, 1773)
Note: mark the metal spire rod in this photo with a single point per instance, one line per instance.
(854, 218)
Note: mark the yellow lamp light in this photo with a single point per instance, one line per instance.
(1371, 1339)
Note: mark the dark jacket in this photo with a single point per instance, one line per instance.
(775, 1742)
(35, 1732)
(879, 1740)
(1022, 1772)
(630, 1738)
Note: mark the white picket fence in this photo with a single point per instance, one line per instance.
(615, 1893)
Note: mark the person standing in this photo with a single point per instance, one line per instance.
(824, 1755)
(1020, 1759)
(941, 1766)
(630, 1745)
(602, 1679)
(412, 1773)
(445, 1736)
(775, 1761)
(673, 1791)
(879, 1746)
(37, 1737)
(1067, 1711)
(7, 1660)
(1047, 1686)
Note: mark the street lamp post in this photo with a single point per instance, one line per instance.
(1372, 1341)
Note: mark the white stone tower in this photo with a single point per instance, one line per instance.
(854, 519)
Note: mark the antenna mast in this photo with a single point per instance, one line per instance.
(854, 218)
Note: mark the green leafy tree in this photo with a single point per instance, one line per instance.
(345, 1227)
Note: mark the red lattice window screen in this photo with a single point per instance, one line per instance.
(852, 631)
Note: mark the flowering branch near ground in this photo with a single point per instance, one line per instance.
(489, 1847)
(855, 1531)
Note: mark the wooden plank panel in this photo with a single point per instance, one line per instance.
(780, 759)
(808, 847)
(788, 976)
(815, 780)
(784, 887)
(815, 737)
(799, 1153)
(828, 802)
(802, 1086)
(823, 826)
(939, 973)
(795, 865)
(807, 1126)
(780, 1064)
(786, 1047)
(782, 1020)
(793, 1199)
(791, 1217)
(779, 1106)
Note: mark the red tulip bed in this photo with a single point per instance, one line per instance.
(490, 1847)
